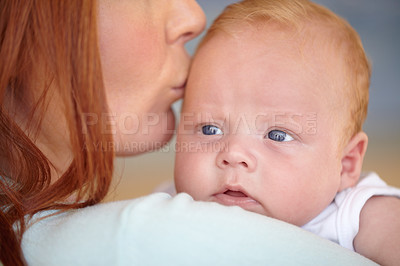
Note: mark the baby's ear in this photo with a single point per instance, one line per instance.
(352, 159)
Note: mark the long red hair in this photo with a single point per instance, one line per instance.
(61, 36)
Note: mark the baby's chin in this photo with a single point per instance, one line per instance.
(149, 138)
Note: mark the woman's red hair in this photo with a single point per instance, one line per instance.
(55, 42)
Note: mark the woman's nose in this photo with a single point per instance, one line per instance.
(186, 21)
(236, 156)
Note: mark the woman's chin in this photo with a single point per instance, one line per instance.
(152, 137)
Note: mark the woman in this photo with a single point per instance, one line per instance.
(80, 80)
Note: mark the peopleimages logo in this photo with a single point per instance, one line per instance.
(127, 123)
(145, 124)
(297, 123)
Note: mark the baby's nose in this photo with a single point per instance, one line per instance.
(236, 156)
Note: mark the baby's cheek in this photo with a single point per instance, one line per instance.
(187, 173)
(182, 170)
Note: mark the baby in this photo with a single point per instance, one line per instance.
(272, 122)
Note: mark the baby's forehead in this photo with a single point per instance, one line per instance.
(308, 38)
(283, 49)
(310, 47)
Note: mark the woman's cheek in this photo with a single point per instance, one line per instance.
(147, 133)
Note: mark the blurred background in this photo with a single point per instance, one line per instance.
(378, 23)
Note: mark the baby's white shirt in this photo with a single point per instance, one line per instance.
(339, 222)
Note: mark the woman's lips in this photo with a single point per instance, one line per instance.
(180, 90)
(235, 198)
(181, 86)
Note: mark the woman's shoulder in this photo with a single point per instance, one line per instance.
(160, 229)
(96, 232)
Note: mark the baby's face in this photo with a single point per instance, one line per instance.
(257, 128)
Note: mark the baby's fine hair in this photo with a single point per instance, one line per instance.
(298, 15)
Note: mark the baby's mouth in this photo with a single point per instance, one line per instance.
(234, 198)
(235, 193)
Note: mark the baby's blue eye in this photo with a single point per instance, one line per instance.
(280, 136)
(211, 130)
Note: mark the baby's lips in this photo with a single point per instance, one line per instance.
(234, 196)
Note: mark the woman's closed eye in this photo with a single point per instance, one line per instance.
(211, 130)
(279, 136)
